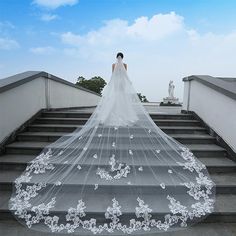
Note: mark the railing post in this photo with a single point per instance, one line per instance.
(189, 91)
(47, 91)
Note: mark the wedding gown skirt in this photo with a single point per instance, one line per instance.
(119, 174)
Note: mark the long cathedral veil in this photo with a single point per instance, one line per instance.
(119, 174)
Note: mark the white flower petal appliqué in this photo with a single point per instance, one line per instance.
(95, 156)
(60, 153)
(140, 168)
(163, 186)
(95, 186)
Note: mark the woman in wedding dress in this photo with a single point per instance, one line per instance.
(119, 174)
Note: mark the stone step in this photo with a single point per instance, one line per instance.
(70, 128)
(183, 127)
(69, 114)
(194, 138)
(53, 136)
(225, 182)
(213, 164)
(199, 150)
(225, 206)
(82, 121)
(12, 227)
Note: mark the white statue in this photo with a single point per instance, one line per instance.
(171, 98)
(171, 89)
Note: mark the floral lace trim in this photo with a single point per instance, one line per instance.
(122, 170)
(41, 163)
(200, 191)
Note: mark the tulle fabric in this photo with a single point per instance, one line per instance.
(118, 174)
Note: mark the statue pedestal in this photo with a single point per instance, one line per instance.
(171, 100)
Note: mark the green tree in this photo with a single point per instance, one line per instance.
(95, 84)
(142, 97)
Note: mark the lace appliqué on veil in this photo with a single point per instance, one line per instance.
(122, 170)
(200, 191)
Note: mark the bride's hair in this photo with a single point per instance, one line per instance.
(120, 54)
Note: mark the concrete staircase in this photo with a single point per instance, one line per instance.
(51, 125)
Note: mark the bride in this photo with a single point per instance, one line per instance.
(119, 174)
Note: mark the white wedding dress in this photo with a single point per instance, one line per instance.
(119, 174)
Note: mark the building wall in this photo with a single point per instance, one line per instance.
(215, 108)
(20, 103)
(66, 96)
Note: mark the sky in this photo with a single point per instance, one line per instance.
(162, 40)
